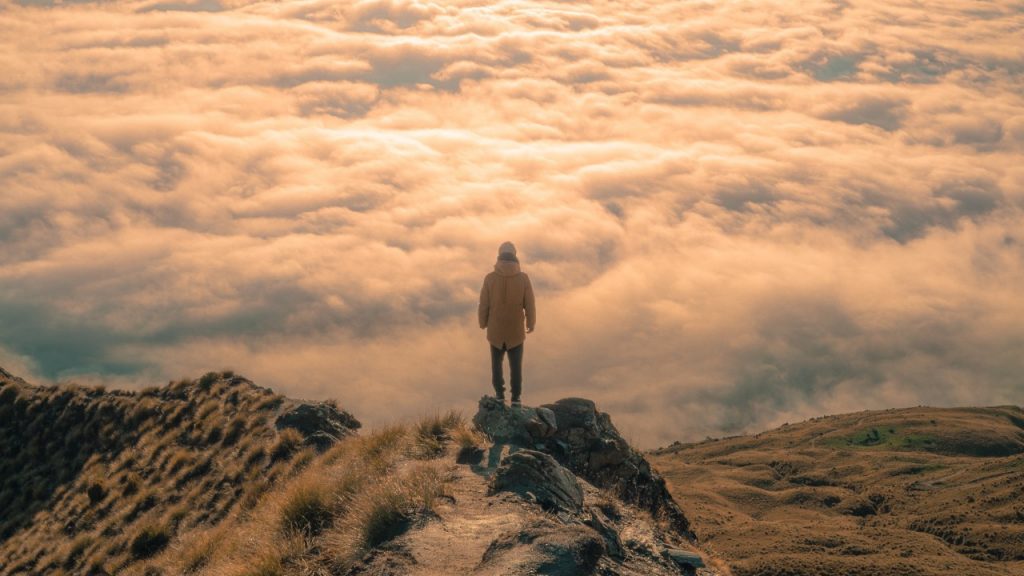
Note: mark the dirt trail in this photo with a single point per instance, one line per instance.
(455, 542)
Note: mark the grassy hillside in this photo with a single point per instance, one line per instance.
(218, 477)
(358, 495)
(95, 482)
(919, 491)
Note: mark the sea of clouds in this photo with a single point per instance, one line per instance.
(734, 213)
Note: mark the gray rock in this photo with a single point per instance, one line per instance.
(539, 422)
(522, 426)
(587, 443)
(537, 476)
(576, 413)
(688, 561)
(321, 424)
(604, 527)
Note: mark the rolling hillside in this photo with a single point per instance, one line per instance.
(918, 491)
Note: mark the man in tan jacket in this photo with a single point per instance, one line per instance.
(506, 300)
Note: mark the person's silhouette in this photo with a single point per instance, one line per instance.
(508, 312)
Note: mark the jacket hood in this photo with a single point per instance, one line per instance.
(506, 268)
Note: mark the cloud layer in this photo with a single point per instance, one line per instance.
(734, 214)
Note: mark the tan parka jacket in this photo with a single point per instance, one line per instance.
(506, 299)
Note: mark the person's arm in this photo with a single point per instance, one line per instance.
(485, 304)
(530, 306)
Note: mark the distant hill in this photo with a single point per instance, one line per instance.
(917, 491)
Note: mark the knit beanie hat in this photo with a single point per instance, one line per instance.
(507, 248)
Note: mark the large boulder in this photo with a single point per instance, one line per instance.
(586, 442)
(521, 426)
(321, 423)
(538, 477)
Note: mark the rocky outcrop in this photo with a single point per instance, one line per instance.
(584, 441)
(322, 424)
(521, 426)
(538, 477)
(569, 460)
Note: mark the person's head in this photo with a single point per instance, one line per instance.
(507, 251)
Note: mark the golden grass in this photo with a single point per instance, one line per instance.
(127, 468)
(209, 488)
(466, 436)
(439, 425)
(430, 433)
(178, 514)
(327, 513)
(383, 510)
(197, 549)
(235, 430)
(387, 443)
(288, 442)
(271, 402)
(309, 505)
(78, 547)
(131, 483)
(179, 459)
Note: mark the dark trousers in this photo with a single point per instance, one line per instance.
(515, 364)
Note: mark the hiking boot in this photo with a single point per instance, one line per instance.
(500, 397)
(516, 403)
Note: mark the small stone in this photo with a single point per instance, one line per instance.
(684, 558)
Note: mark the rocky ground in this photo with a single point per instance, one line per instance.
(553, 490)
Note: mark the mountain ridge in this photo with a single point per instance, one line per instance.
(93, 480)
(219, 476)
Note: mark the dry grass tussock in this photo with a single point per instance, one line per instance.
(96, 482)
(359, 494)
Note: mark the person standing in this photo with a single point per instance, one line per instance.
(508, 312)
